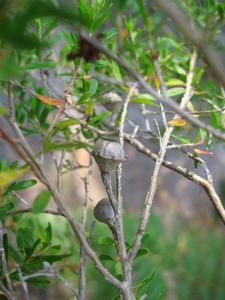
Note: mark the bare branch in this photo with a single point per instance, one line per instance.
(52, 273)
(152, 188)
(150, 196)
(68, 90)
(120, 231)
(190, 175)
(29, 210)
(83, 255)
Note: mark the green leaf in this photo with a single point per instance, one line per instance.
(146, 281)
(25, 184)
(182, 139)
(9, 68)
(144, 99)
(146, 237)
(30, 250)
(4, 209)
(214, 119)
(19, 241)
(199, 75)
(40, 65)
(103, 257)
(96, 119)
(57, 145)
(116, 71)
(5, 245)
(3, 165)
(41, 201)
(116, 297)
(143, 12)
(118, 268)
(203, 134)
(52, 258)
(3, 110)
(14, 165)
(174, 82)
(221, 12)
(141, 252)
(66, 123)
(175, 91)
(17, 257)
(25, 237)
(106, 241)
(48, 235)
(93, 87)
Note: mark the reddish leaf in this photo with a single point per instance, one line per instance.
(202, 152)
(50, 101)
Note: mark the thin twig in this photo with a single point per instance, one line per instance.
(83, 255)
(152, 188)
(162, 84)
(150, 196)
(120, 230)
(23, 282)
(68, 90)
(29, 210)
(55, 275)
(3, 260)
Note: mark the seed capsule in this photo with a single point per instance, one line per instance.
(104, 213)
(108, 155)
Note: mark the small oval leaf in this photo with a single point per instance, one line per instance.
(41, 201)
(177, 122)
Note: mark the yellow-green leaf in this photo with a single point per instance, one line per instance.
(3, 110)
(190, 107)
(7, 176)
(177, 122)
(157, 82)
(175, 82)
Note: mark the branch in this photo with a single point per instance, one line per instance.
(150, 196)
(190, 175)
(165, 99)
(4, 262)
(52, 273)
(120, 230)
(163, 147)
(29, 210)
(83, 256)
(23, 282)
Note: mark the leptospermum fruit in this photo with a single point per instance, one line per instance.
(104, 213)
(108, 156)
